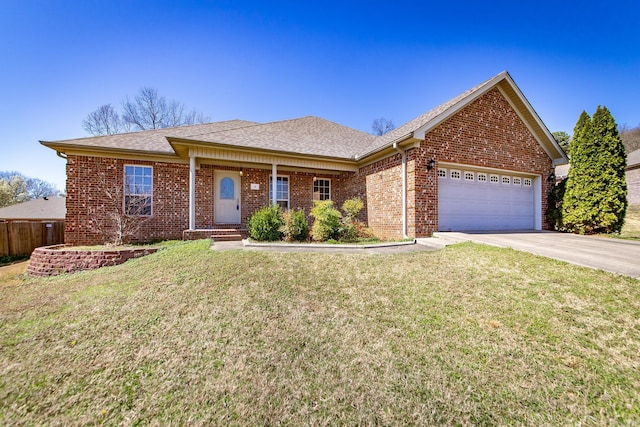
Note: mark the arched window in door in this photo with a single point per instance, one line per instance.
(227, 190)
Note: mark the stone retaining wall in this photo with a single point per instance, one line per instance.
(54, 260)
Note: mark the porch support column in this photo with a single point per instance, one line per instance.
(192, 192)
(274, 184)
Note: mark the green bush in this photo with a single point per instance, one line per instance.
(265, 223)
(352, 228)
(327, 224)
(352, 208)
(295, 226)
(554, 207)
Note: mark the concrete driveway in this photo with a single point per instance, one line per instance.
(613, 255)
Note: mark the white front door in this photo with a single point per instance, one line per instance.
(227, 197)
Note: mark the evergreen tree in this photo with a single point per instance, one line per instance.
(595, 200)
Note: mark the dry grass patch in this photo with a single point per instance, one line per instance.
(467, 335)
(11, 274)
(632, 222)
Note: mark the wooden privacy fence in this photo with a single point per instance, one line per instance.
(22, 237)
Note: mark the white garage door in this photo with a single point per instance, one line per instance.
(470, 200)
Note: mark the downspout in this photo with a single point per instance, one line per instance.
(404, 188)
(192, 192)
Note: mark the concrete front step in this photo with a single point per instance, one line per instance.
(226, 237)
(219, 234)
(227, 234)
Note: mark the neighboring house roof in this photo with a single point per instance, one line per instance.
(562, 171)
(633, 159)
(314, 136)
(633, 162)
(38, 209)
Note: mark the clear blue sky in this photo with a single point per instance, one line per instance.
(349, 62)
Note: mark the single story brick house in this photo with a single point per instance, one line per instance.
(480, 161)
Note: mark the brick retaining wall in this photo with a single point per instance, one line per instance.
(54, 260)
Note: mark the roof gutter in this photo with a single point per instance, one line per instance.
(392, 144)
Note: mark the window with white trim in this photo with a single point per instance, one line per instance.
(138, 190)
(482, 177)
(527, 182)
(282, 191)
(494, 179)
(321, 189)
(455, 174)
(506, 180)
(468, 176)
(517, 180)
(442, 173)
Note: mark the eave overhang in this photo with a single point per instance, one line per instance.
(186, 148)
(67, 148)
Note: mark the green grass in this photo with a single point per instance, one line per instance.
(631, 228)
(470, 335)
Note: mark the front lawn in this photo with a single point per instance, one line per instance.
(469, 335)
(631, 228)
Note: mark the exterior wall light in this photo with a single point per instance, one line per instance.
(431, 164)
(241, 172)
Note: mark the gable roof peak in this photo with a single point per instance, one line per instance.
(416, 128)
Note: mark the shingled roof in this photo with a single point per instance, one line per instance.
(411, 126)
(306, 135)
(154, 141)
(38, 209)
(313, 135)
(633, 159)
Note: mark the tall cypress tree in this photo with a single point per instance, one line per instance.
(595, 200)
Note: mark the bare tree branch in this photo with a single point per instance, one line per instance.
(119, 219)
(103, 121)
(380, 126)
(149, 110)
(630, 137)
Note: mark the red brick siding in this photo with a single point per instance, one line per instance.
(87, 178)
(204, 196)
(54, 260)
(488, 133)
(633, 186)
(252, 200)
(349, 185)
(383, 184)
